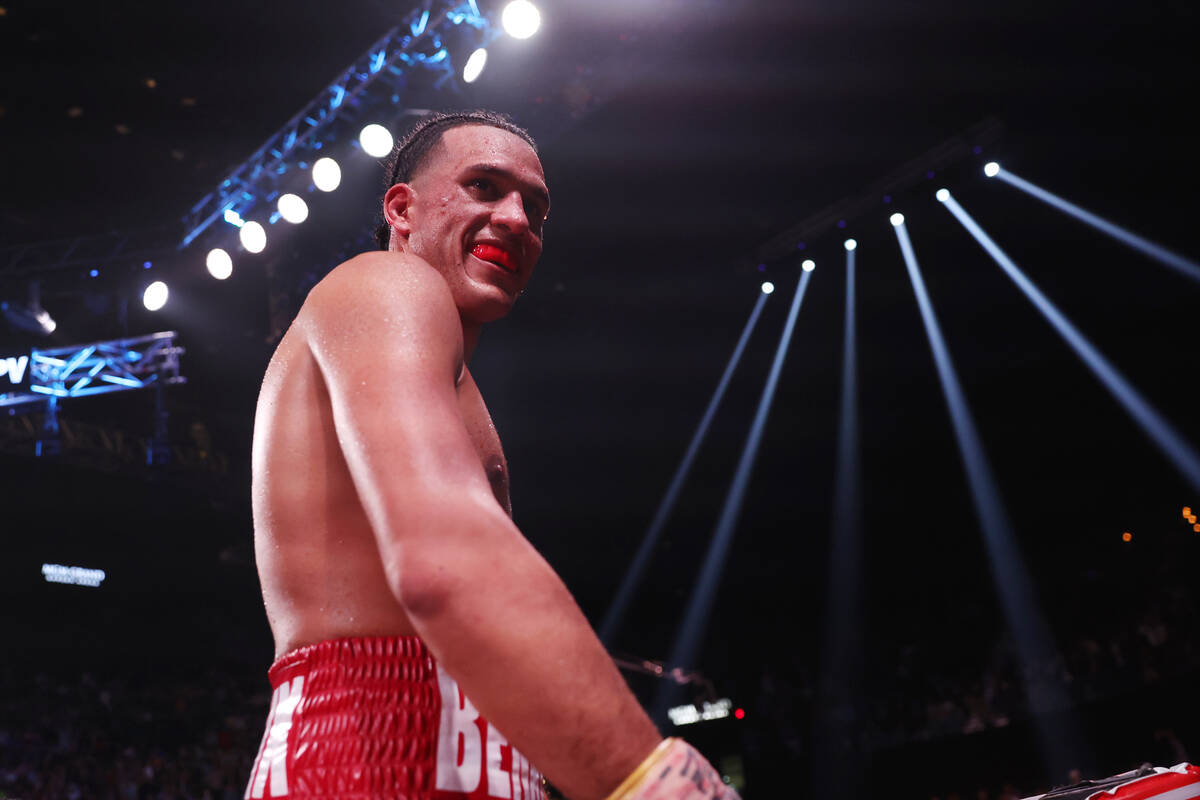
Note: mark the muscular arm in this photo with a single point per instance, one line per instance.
(387, 338)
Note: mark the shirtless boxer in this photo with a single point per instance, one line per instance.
(396, 584)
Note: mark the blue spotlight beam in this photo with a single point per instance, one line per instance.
(836, 714)
(1168, 440)
(1060, 743)
(416, 43)
(848, 467)
(633, 576)
(1162, 255)
(687, 642)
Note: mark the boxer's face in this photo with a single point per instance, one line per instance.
(475, 212)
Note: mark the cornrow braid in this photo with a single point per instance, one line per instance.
(411, 153)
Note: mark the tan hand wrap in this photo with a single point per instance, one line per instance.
(674, 771)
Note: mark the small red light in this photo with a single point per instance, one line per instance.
(739, 713)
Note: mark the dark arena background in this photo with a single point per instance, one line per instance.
(916, 524)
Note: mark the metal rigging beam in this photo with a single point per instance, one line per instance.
(99, 368)
(84, 252)
(416, 43)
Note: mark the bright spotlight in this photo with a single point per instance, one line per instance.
(46, 321)
(253, 237)
(155, 296)
(768, 287)
(991, 169)
(219, 264)
(942, 195)
(521, 19)
(850, 244)
(376, 140)
(326, 174)
(808, 265)
(474, 65)
(897, 220)
(292, 208)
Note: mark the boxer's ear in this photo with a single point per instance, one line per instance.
(397, 208)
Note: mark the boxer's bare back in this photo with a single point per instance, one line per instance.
(317, 554)
(391, 332)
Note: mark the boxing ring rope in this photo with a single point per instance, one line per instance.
(691, 630)
(633, 576)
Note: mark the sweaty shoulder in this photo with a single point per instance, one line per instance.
(383, 305)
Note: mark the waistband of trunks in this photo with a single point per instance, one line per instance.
(365, 720)
(354, 660)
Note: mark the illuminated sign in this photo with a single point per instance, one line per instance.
(14, 368)
(78, 576)
(689, 714)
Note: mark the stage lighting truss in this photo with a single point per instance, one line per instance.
(113, 366)
(85, 252)
(417, 43)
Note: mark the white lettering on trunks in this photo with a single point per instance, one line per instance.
(459, 753)
(470, 751)
(499, 779)
(272, 753)
(524, 784)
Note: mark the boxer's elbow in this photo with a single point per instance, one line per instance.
(430, 567)
(425, 583)
(423, 589)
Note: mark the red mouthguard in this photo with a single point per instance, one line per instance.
(489, 252)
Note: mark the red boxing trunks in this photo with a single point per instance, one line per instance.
(379, 718)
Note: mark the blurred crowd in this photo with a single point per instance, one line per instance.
(1105, 656)
(130, 738)
(121, 735)
(1116, 634)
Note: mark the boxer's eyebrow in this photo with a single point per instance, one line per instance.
(492, 169)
